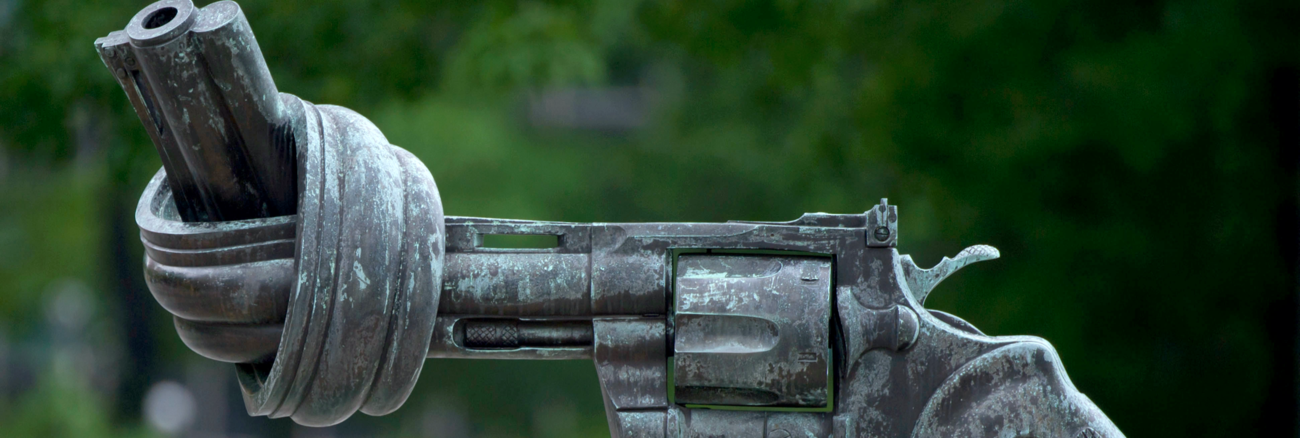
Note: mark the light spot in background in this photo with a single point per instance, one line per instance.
(558, 419)
(6, 13)
(79, 355)
(69, 307)
(609, 109)
(443, 420)
(169, 407)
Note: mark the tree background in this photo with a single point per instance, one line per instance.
(1135, 162)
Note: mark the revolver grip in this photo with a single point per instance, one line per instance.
(952, 380)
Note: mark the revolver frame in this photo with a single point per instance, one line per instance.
(339, 275)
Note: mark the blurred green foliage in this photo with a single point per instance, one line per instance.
(57, 407)
(1123, 156)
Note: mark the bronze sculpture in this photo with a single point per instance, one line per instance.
(292, 240)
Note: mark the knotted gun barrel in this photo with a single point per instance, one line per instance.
(292, 240)
(288, 237)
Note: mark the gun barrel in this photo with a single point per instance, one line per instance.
(200, 85)
(516, 284)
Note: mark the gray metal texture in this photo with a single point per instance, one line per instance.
(332, 306)
(227, 144)
(752, 330)
(328, 311)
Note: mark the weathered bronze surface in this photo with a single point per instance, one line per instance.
(752, 330)
(292, 240)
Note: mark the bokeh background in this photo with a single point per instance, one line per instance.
(1136, 163)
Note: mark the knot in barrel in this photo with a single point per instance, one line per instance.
(325, 312)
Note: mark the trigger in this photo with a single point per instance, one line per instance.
(921, 281)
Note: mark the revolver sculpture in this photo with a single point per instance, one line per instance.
(292, 240)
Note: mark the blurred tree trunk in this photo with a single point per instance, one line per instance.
(134, 306)
(1282, 414)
